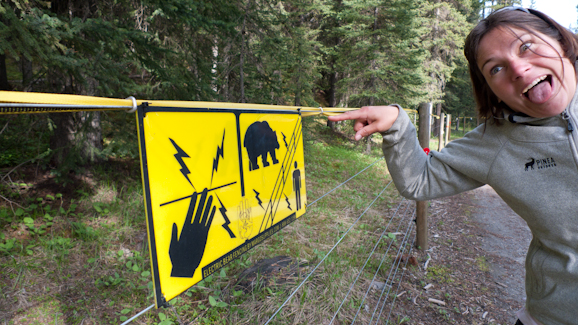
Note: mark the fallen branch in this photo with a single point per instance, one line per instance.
(11, 202)
(427, 262)
(4, 128)
(501, 284)
(40, 156)
(435, 301)
(414, 300)
(13, 169)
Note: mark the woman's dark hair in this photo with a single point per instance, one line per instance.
(511, 17)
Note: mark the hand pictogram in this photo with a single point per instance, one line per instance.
(186, 250)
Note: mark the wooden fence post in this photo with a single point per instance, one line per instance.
(441, 132)
(448, 129)
(421, 206)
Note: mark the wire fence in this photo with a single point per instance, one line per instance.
(402, 236)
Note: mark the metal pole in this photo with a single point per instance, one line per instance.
(137, 315)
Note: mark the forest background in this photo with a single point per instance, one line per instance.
(329, 53)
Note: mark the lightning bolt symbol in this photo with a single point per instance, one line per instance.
(284, 139)
(288, 204)
(220, 152)
(227, 221)
(258, 199)
(179, 157)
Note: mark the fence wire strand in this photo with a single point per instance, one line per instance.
(377, 271)
(366, 261)
(400, 280)
(326, 255)
(397, 264)
(350, 178)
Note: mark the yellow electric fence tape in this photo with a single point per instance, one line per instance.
(16, 102)
(28, 102)
(13, 102)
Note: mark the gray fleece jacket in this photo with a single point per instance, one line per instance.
(533, 165)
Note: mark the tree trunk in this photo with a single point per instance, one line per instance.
(371, 103)
(241, 73)
(4, 85)
(77, 137)
(297, 101)
(242, 59)
(332, 97)
(27, 74)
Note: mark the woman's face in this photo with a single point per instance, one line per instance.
(526, 72)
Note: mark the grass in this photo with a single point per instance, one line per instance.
(80, 256)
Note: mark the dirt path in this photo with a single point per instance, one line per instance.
(505, 243)
(477, 248)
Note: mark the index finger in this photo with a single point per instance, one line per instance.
(350, 115)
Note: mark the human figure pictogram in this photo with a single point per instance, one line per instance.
(297, 187)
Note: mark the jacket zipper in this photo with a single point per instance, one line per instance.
(571, 135)
(566, 118)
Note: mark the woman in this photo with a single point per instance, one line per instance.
(523, 69)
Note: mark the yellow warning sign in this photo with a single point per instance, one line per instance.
(217, 183)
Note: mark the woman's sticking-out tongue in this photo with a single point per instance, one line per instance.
(540, 93)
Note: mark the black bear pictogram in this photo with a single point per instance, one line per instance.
(260, 140)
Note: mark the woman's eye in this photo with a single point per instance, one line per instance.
(525, 47)
(495, 70)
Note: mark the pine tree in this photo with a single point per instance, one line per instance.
(448, 26)
(381, 57)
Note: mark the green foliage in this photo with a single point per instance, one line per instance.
(381, 54)
(82, 231)
(5, 216)
(110, 281)
(165, 320)
(7, 245)
(23, 138)
(446, 26)
(119, 135)
(459, 97)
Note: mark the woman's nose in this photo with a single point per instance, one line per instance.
(518, 67)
